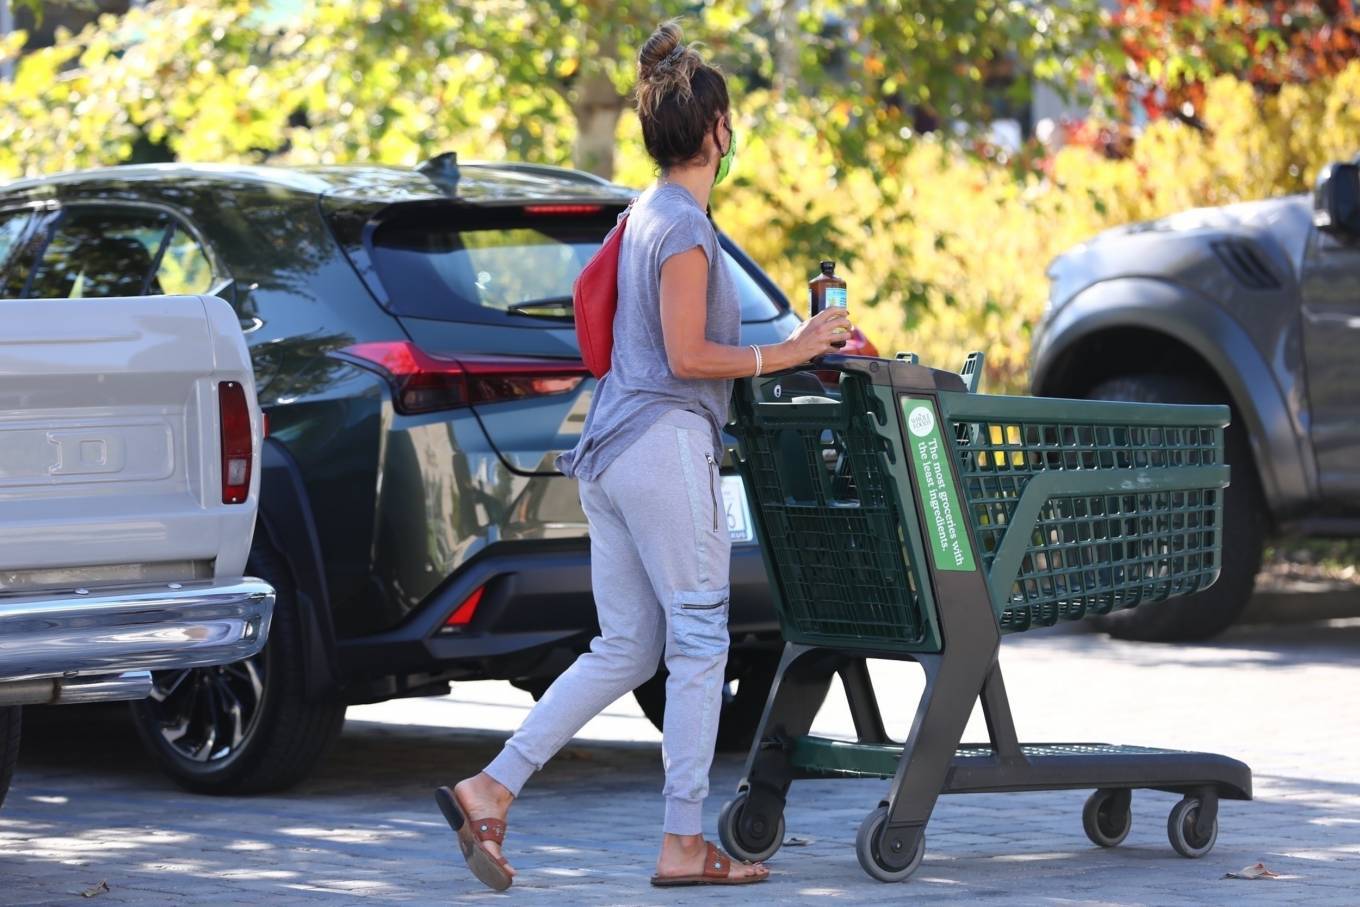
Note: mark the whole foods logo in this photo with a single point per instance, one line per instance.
(921, 421)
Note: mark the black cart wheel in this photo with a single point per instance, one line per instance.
(1107, 817)
(759, 842)
(866, 848)
(1180, 828)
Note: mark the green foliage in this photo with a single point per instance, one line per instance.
(831, 90)
(1171, 49)
(339, 81)
(398, 79)
(944, 251)
(978, 237)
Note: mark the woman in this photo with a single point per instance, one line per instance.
(647, 465)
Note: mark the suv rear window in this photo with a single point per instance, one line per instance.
(433, 266)
(98, 251)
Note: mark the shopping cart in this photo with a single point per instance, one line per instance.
(905, 516)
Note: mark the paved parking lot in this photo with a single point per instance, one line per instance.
(85, 808)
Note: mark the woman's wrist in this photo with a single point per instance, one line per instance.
(782, 355)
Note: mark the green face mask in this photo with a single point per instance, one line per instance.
(725, 162)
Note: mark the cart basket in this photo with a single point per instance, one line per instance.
(1071, 507)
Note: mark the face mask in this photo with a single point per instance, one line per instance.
(725, 162)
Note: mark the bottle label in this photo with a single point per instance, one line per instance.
(836, 298)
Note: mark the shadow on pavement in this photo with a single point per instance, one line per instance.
(1248, 645)
(87, 807)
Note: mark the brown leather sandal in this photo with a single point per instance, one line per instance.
(717, 866)
(489, 868)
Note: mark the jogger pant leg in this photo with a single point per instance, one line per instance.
(623, 657)
(669, 494)
(660, 559)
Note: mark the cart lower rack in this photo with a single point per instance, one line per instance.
(911, 518)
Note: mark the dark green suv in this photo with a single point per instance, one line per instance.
(414, 350)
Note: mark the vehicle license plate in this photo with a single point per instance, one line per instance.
(738, 510)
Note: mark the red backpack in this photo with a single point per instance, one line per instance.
(595, 299)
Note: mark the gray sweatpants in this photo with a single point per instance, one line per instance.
(659, 560)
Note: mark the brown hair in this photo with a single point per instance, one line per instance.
(680, 98)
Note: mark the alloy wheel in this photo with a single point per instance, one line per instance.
(206, 714)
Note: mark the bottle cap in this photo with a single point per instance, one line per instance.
(828, 267)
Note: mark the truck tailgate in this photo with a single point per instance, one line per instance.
(110, 451)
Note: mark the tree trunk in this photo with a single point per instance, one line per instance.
(597, 108)
(785, 47)
(72, 14)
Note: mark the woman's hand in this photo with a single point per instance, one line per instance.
(684, 283)
(814, 337)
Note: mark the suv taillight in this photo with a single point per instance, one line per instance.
(859, 345)
(423, 383)
(236, 446)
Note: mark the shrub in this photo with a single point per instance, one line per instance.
(951, 250)
(943, 251)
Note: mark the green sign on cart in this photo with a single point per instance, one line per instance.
(935, 485)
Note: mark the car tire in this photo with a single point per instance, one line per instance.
(281, 733)
(9, 746)
(742, 707)
(1208, 613)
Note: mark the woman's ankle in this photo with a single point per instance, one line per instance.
(510, 770)
(493, 788)
(682, 843)
(486, 789)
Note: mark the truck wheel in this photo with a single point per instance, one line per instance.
(9, 746)
(1207, 613)
(742, 707)
(247, 727)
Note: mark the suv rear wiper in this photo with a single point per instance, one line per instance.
(528, 308)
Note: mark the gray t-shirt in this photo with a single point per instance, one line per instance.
(639, 386)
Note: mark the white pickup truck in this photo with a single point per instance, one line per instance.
(129, 450)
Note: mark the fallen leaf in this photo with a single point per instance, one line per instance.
(1252, 873)
(96, 891)
(793, 841)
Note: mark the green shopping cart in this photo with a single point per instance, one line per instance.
(906, 516)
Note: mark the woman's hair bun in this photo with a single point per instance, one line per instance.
(665, 66)
(680, 98)
(659, 46)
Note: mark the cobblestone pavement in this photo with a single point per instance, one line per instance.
(86, 809)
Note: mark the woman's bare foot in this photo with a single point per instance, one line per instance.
(683, 855)
(483, 797)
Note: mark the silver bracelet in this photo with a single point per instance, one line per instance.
(760, 360)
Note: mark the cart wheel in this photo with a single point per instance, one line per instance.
(769, 830)
(1107, 817)
(866, 848)
(1180, 828)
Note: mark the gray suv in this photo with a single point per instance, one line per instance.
(1256, 305)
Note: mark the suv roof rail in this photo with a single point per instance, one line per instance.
(580, 176)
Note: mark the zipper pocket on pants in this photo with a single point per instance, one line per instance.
(713, 487)
(689, 607)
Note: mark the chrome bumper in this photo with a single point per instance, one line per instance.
(117, 630)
